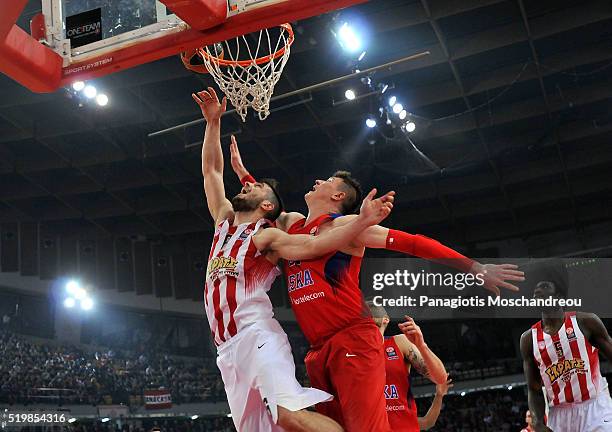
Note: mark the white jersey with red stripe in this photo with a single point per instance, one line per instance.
(568, 363)
(238, 278)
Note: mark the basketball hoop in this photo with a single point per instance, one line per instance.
(247, 74)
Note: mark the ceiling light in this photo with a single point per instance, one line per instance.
(349, 94)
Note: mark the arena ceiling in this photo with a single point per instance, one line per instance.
(514, 106)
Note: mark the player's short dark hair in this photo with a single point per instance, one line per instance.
(377, 311)
(274, 197)
(551, 270)
(353, 191)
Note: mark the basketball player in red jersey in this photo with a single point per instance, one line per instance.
(527, 427)
(329, 307)
(254, 355)
(403, 352)
(560, 352)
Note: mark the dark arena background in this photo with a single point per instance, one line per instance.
(497, 143)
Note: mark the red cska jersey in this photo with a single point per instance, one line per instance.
(401, 408)
(324, 292)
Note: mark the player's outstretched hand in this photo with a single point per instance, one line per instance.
(412, 331)
(496, 276)
(442, 389)
(236, 159)
(373, 211)
(209, 103)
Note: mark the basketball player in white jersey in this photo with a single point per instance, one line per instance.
(254, 355)
(560, 352)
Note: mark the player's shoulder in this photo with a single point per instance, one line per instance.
(586, 316)
(526, 339)
(287, 220)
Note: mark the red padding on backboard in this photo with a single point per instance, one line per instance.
(30, 63)
(10, 10)
(199, 14)
(37, 27)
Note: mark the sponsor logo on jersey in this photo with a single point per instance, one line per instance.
(391, 391)
(564, 369)
(293, 263)
(222, 265)
(299, 280)
(542, 345)
(391, 354)
(570, 333)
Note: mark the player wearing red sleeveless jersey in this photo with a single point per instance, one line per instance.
(560, 353)
(329, 306)
(254, 355)
(403, 352)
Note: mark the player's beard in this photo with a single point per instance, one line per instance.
(240, 204)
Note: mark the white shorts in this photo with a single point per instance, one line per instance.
(594, 415)
(259, 375)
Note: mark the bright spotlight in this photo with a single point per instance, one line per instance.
(105, 419)
(370, 122)
(69, 302)
(72, 287)
(392, 101)
(403, 114)
(79, 293)
(194, 417)
(71, 420)
(229, 415)
(397, 108)
(410, 127)
(462, 393)
(361, 56)
(349, 94)
(87, 304)
(348, 39)
(78, 85)
(102, 99)
(90, 92)
(509, 387)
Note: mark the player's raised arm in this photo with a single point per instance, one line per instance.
(535, 397)
(430, 419)
(285, 219)
(494, 276)
(301, 247)
(212, 154)
(417, 353)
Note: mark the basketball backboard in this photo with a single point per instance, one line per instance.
(74, 40)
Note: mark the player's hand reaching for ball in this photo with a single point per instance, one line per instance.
(412, 331)
(496, 276)
(207, 100)
(373, 211)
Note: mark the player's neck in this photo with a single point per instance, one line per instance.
(552, 320)
(316, 210)
(244, 217)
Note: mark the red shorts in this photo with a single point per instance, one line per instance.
(351, 366)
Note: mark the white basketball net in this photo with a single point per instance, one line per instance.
(244, 82)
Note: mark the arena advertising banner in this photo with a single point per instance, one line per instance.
(113, 411)
(157, 399)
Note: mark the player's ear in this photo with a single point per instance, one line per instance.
(266, 206)
(338, 196)
(386, 320)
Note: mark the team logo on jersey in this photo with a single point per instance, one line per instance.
(299, 280)
(564, 369)
(570, 333)
(391, 354)
(314, 230)
(293, 263)
(542, 345)
(391, 391)
(222, 265)
(245, 233)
